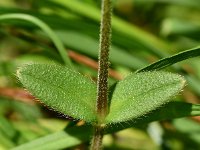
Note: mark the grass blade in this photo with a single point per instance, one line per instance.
(45, 28)
(149, 41)
(59, 140)
(168, 61)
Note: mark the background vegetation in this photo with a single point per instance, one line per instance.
(143, 32)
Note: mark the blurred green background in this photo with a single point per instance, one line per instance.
(143, 31)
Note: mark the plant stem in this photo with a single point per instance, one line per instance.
(96, 143)
(102, 83)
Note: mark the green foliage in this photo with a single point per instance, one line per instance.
(141, 93)
(168, 61)
(61, 88)
(45, 28)
(141, 35)
(143, 89)
(119, 25)
(59, 140)
(76, 96)
(170, 110)
(70, 38)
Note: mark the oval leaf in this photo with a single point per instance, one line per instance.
(61, 88)
(141, 93)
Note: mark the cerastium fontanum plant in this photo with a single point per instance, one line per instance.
(140, 96)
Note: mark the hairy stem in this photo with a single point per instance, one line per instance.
(96, 143)
(102, 83)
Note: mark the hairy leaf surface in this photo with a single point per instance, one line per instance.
(60, 88)
(141, 93)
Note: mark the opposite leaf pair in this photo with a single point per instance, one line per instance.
(71, 93)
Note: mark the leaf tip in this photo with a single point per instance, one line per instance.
(182, 81)
(18, 72)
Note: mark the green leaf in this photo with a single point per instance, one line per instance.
(59, 140)
(61, 88)
(165, 62)
(170, 110)
(140, 93)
